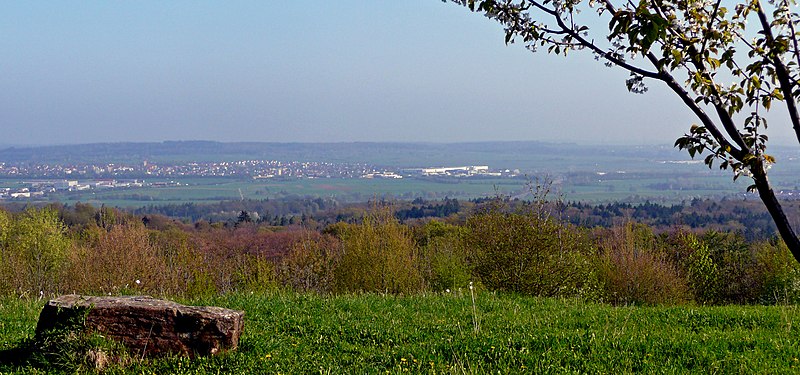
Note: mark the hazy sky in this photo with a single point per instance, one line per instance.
(369, 70)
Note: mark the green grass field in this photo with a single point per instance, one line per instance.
(439, 333)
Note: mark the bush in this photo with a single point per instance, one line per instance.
(184, 270)
(443, 257)
(122, 260)
(310, 264)
(694, 260)
(529, 254)
(6, 286)
(255, 274)
(779, 271)
(633, 271)
(739, 278)
(33, 253)
(377, 256)
(445, 264)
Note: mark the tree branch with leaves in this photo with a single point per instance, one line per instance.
(728, 63)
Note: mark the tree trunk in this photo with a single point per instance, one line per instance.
(775, 210)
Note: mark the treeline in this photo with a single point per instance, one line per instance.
(226, 210)
(745, 217)
(499, 245)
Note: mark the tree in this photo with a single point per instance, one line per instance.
(244, 217)
(727, 64)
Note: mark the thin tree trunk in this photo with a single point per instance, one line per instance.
(775, 210)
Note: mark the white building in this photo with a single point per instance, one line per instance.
(65, 184)
(449, 171)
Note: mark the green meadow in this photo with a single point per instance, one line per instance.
(445, 332)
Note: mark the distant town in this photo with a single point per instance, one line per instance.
(51, 178)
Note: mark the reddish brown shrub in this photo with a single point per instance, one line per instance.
(633, 272)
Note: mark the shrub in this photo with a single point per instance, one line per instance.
(737, 270)
(5, 227)
(120, 257)
(5, 265)
(694, 260)
(242, 258)
(34, 252)
(310, 264)
(185, 273)
(255, 274)
(633, 271)
(779, 271)
(445, 263)
(443, 256)
(530, 254)
(377, 256)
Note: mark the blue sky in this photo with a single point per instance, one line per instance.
(302, 71)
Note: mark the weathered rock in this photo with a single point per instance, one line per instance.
(147, 326)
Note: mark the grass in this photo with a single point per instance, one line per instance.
(302, 333)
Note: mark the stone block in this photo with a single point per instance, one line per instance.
(148, 327)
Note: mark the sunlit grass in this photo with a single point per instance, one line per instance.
(303, 333)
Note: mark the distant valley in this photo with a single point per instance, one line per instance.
(134, 174)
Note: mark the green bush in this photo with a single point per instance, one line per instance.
(443, 258)
(377, 256)
(780, 273)
(693, 257)
(739, 279)
(256, 274)
(529, 254)
(445, 264)
(34, 252)
(6, 286)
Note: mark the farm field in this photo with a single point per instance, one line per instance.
(584, 188)
(199, 190)
(442, 333)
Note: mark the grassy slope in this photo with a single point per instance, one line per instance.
(288, 333)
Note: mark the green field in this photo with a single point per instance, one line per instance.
(596, 189)
(442, 333)
(205, 190)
